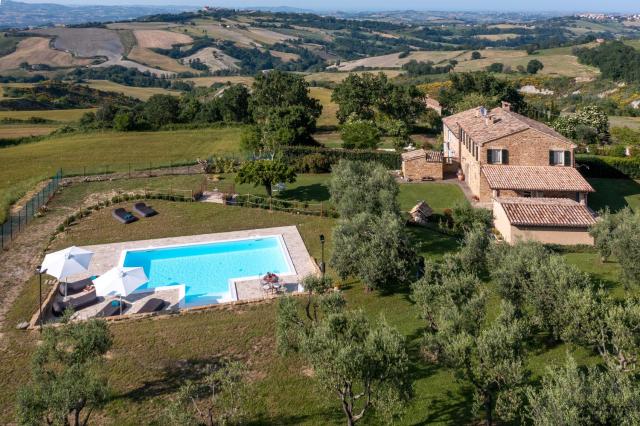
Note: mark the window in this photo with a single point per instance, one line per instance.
(497, 156)
(559, 158)
(475, 151)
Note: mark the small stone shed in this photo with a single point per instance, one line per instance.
(419, 165)
(420, 213)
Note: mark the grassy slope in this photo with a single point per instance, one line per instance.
(142, 93)
(631, 122)
(615, 193)
(283, 393)
(62, 115)
(329, 109)
(12, 131)
(33, 162)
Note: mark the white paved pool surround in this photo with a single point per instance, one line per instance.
(107, 256)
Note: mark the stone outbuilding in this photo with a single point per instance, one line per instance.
(547, 220)
(421, 165)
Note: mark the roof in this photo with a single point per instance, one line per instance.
(421, 208)
(536, 178)
(429, 156)
(498, 123)
(546, 212)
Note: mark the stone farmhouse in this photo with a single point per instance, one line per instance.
(523, 168)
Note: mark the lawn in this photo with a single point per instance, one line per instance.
(615, 194)
(25, 165)
(151, 358)
(315, 189)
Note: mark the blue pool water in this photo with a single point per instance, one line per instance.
(205, 269)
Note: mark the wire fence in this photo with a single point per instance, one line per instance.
(17, 222)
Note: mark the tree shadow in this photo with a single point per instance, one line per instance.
(446, 408)
(315, 192)
(173, 376)
(612, 193)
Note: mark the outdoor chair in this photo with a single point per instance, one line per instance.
(112, 309)
(74, 287)
(152, 305)
(143, 210)
(80, 302)
(124, 216)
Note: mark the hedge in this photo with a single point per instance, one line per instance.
(596, 166)
(391, 160)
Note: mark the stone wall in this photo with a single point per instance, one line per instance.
(420, 168)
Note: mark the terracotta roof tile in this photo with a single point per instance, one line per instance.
(536, 178)
(497, 124)
(546, 212)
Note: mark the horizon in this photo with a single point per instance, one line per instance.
(318, 6)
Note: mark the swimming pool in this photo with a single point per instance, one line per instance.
(208, 270)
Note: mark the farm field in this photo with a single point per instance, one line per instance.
(36, 50)
(394, 61)
(13, 131)
(86, 42)
(337, 77)
(214, 58)
(148, 57)
(33, 162)
(62, 115)
(209, 81)
(142, 93)
(160, 39)
(329, 109)
(631, 122)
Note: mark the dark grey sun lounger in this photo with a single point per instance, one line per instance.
(152, 305)
(87, 299)
(124, 216)
(74, 287)
(112, 308)
(143, 210)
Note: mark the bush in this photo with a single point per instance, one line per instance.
(313, 163)
(608, 167)
(390, 160)
(360, 134)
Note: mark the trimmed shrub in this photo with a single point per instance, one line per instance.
(608, 167)
(390, 160)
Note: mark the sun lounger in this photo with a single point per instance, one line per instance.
(143, 210)
(124, 216)
(74, 287)
(152, 305)
(80, 302)
(111, 309)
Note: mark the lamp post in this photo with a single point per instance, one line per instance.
(322, 265)
(40, 272)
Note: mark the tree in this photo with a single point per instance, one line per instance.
(234, 104)
(219, 398)
(161, 109)
(481, 83)
(497, 67)
(493, 363)
(277, 89)
(475, 55)
(286, 126)
(626, 246)
(265, 173)
(357, 96)
(123, 121)
(569, 395)
(590, 117)
(373, 248)
(366, 365)
(534, 66)
(602, 233)
(466, 218)
(404, 103)
(360, 134)
(358, 187)
(65, 379)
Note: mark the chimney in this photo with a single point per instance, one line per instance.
(506, 106)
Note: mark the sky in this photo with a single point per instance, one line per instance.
(623, 6)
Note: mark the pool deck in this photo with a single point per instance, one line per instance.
(107, 256)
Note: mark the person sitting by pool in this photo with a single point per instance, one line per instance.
(271, 278)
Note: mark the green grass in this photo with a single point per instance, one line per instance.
(150, 359)
(329, 109)
(25, 165)
(631, 122)
(615, 194)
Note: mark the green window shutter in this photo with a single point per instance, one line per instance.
(551, 158)
(505, 156)
(567, 158)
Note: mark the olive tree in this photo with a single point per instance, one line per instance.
(66, 385)
(366, 365)
(265, 173)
